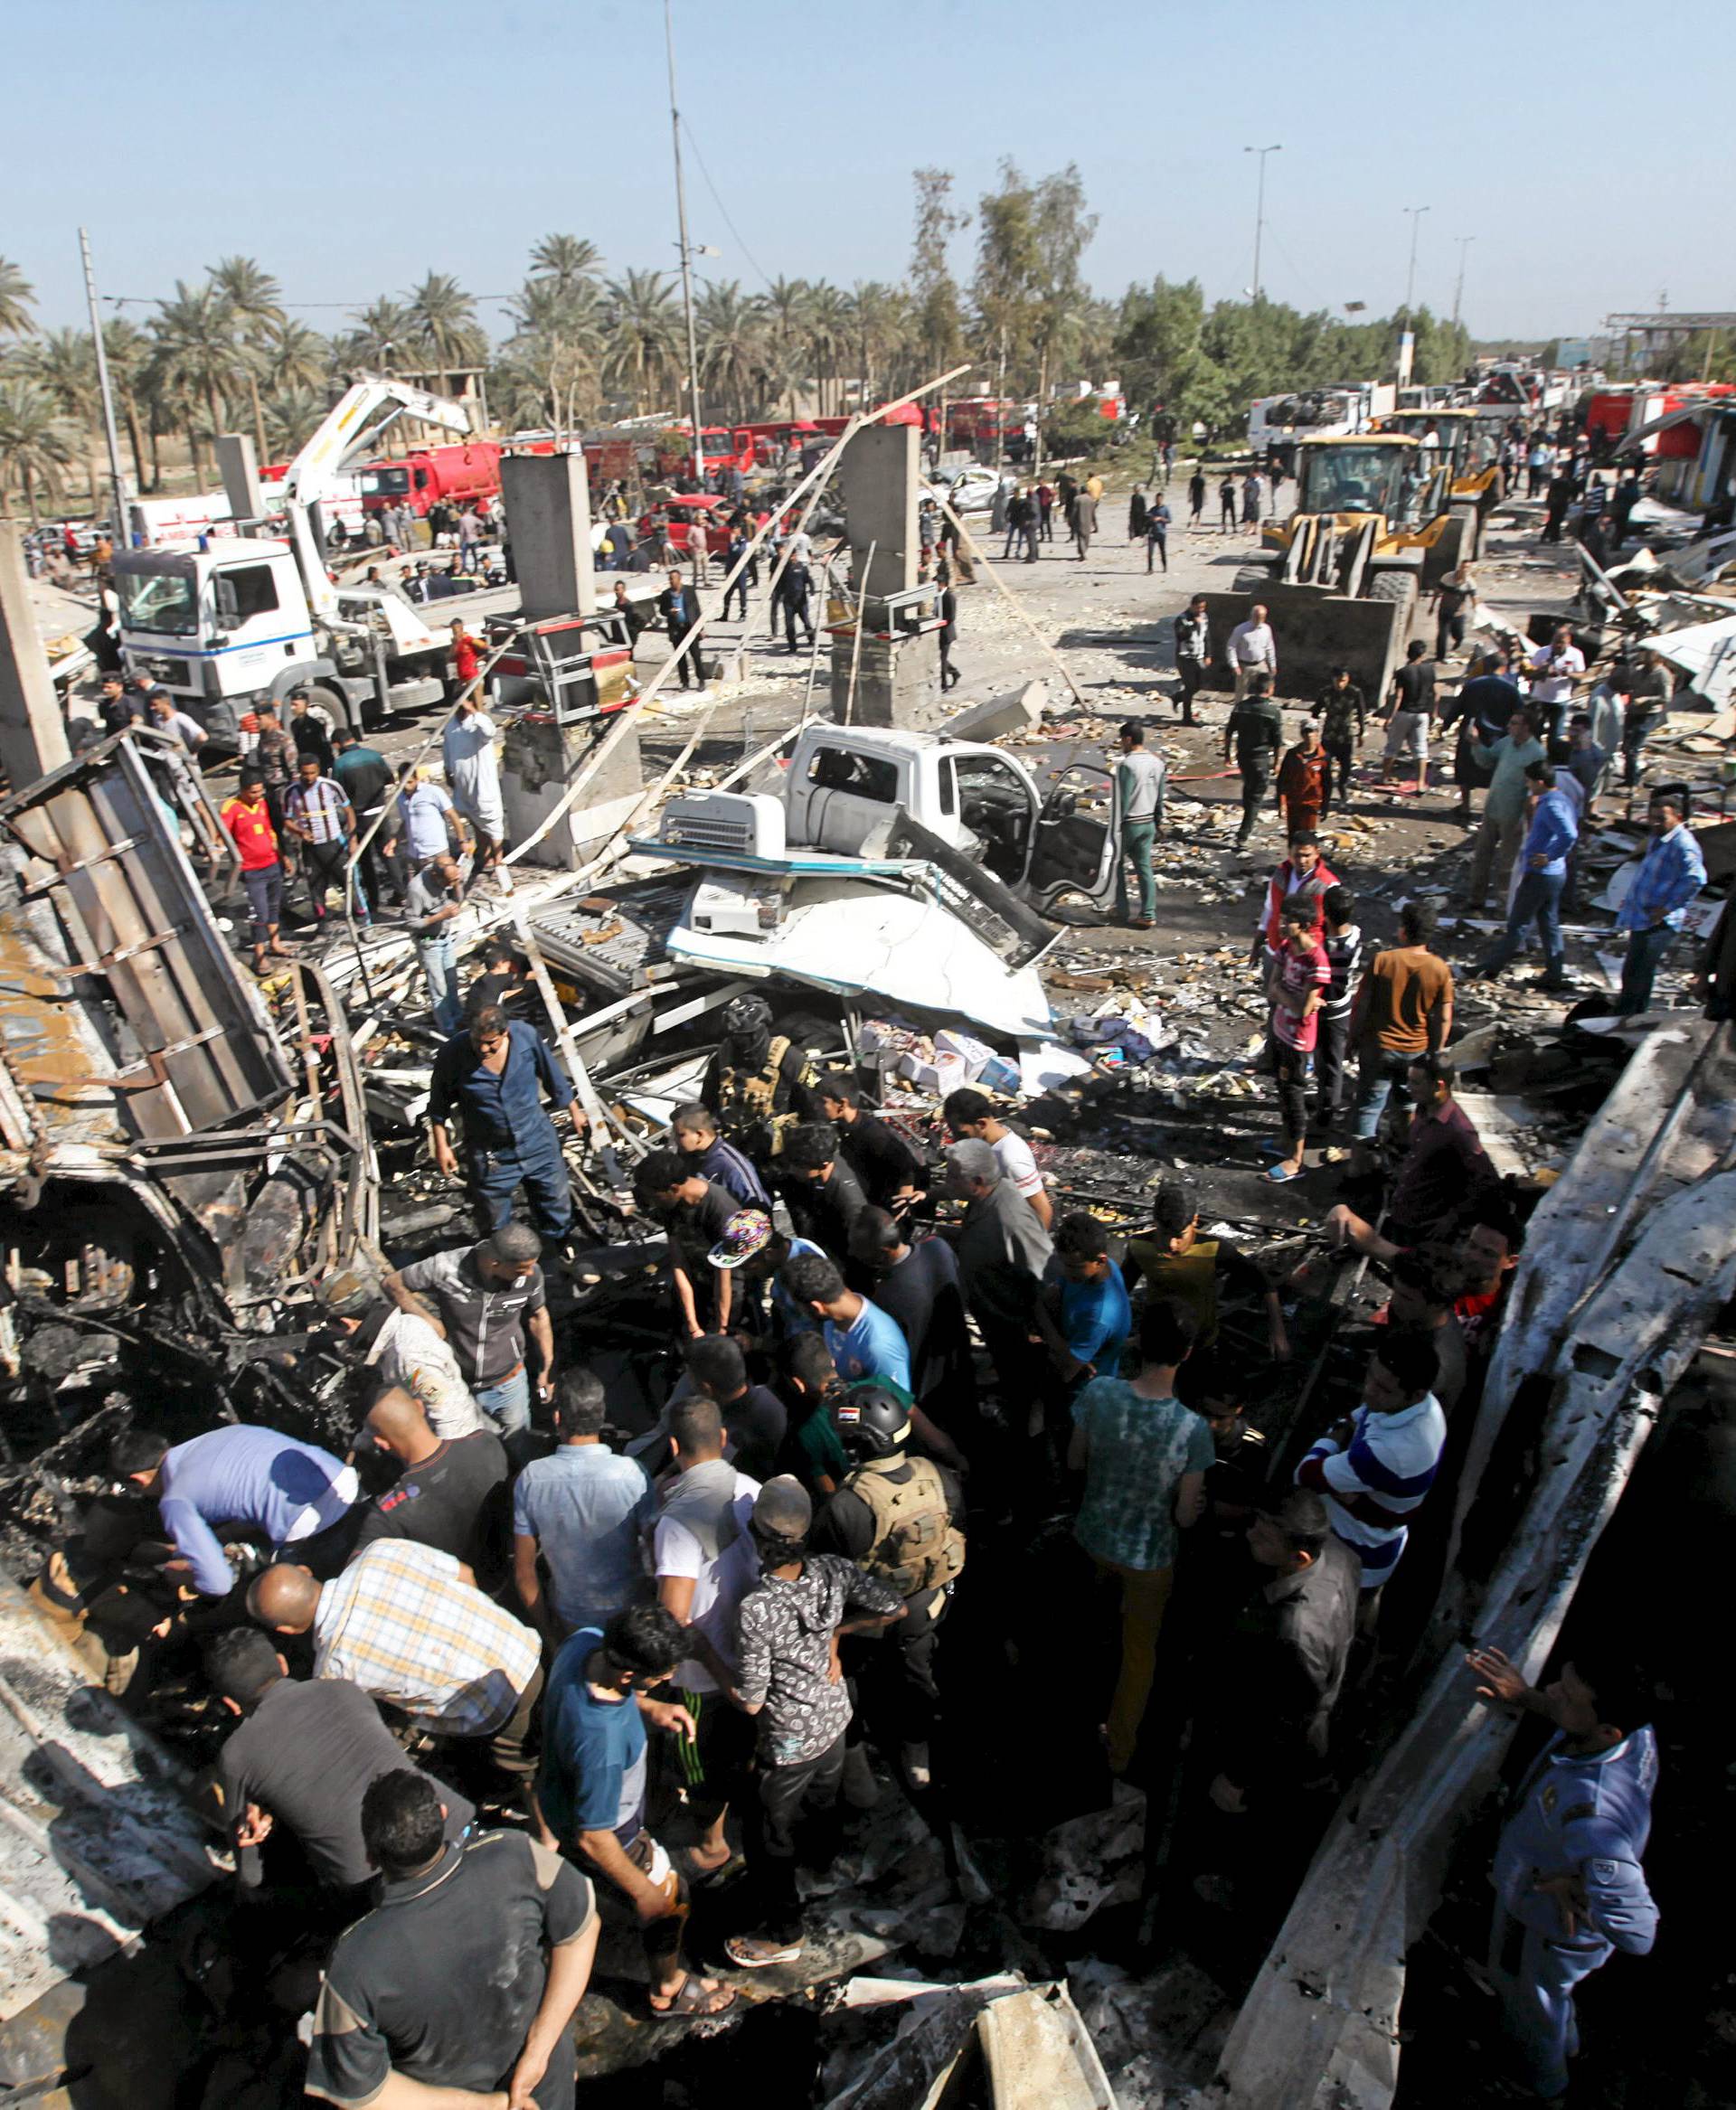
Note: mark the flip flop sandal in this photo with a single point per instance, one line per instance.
(1280, 1174)
(695, 2001)
(738, 1947)
(717, 1879)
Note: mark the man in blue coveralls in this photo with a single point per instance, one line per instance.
(494, 1075)
(1569, 1889)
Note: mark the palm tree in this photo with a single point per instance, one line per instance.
(443, 318)
(383, 337)
(35, 442)
(732, 329)
(293, 356)
(828, 335)
(254, 299)
(291, 414)
(554, 356)
(197, 358)
(787, 303)
(126, 348)
(567, 259)
(64, 363)
(643, 334)
(881, 322)
(17, 297)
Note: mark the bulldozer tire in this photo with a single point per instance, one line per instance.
(1252, 578)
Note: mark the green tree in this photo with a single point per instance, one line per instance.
(128, 349)
(384, 340)
(17, 297)
(195, 359)
(64, 363)
(568, 260)
(940, 316)
(293, 357)
(1060, 307)
(36, 443)
(255, 301)
(731, 329)
(291, 415)
(1009, 267)
(828, 335)
(443, 317)
(643, 325)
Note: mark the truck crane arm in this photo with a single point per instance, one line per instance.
(351, 432)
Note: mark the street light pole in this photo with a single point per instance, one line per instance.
(1259, 205)
(1416, 212)
(1464, 241)
(118, 526)
(686, 253)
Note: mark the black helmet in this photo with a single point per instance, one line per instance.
(872, 1419)
(744, 1016)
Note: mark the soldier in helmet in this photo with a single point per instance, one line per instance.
(900, 1518)
(757, 1078)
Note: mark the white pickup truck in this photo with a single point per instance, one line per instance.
(901, 862)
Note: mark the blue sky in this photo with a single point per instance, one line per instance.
(351, 147)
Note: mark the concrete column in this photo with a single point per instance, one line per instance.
(878, 474)
(539, 759)
(238, 465)
(547, 522)
(33, 732)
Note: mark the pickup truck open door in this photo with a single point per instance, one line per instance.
(1076, 843)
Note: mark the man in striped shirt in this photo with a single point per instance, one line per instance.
(1373, 1468)
(318, 813)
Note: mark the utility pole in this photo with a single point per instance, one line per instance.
(1464, 241)
(686, 254)
(118, 524)
(1416, 212)
(1259, 206)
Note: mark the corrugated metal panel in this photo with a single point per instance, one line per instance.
(95, 1839)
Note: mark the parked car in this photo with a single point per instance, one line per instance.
(970, 489)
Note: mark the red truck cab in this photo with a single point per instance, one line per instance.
(428, 474)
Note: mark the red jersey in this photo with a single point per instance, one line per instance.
(467, 657)
(250, 830)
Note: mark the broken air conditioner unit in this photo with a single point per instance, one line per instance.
(740, 908)
(730, 824)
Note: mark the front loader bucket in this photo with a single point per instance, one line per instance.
(1316, 631)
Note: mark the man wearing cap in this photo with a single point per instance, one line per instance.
(485, 1299)
(1303, 778)
(495, 1075)
(788, 1628)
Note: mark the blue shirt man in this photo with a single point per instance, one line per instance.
(592, 1778)
(1570, 1887)
(1671, 873)
(495, 1075)
(1552, 831)
(872, 1344)
(245, 1476)
(585, 1509)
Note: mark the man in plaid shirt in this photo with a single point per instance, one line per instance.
(407, 1623)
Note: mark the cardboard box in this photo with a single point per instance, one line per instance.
(941, 1076)
(976, 1055)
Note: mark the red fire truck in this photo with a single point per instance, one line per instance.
(429, 474)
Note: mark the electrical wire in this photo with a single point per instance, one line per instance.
(722, 208)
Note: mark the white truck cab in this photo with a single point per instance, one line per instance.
(226, 626)
(846, 787)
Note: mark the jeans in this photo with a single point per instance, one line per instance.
(1136, 839)
(1634, 737)
(1646, 951)
(506, 1403)
(264, 890)
(1157, 545)
(496, 1173)
(1380, 1069)
(1539, 897)
(739, 590)
(1290, 1067)
(440, 958)
(1341, 756)
(796, 612)
(1329, 1066)
(1144, 1599)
